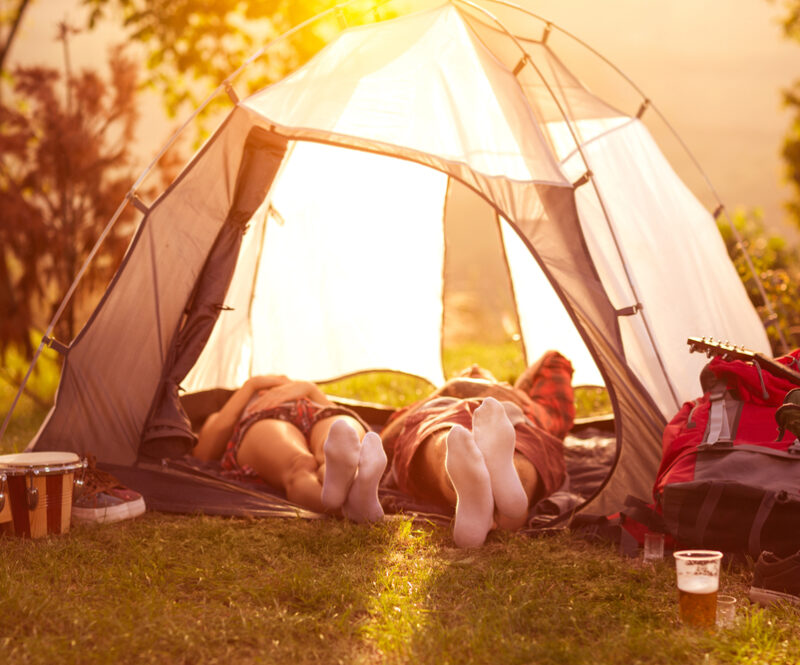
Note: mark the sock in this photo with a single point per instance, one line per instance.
(362, 504)
(495, 437)
(467, 471)
(341, 450)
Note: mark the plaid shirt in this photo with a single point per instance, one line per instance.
(544, 393)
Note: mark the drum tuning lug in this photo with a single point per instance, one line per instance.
(2, 491)
(33, 498)
(79, 483)
(33, 494)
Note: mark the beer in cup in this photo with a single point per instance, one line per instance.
(698, 583)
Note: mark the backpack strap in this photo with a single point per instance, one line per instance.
(719, 425)
(764, 509)
(706, 511)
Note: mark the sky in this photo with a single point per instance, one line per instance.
(714, 69)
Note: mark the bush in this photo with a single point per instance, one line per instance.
(777, 266)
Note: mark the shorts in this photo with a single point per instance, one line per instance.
(302, 413)
(540, 447)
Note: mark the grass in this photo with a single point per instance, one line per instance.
(198, 589)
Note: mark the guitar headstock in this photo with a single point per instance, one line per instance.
(712, 348)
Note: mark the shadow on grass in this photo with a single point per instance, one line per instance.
(555, 601)
(195, 589)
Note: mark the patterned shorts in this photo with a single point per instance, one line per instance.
(302, 413)
(539, 438)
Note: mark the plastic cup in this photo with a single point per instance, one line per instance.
(726, 611)
(698, 583)
(653, 546)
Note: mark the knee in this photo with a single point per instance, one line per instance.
(298, 470)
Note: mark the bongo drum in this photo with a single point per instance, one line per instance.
(38, 491)
(5, 506)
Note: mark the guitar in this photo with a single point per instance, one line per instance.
(728, 351)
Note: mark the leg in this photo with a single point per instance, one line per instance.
(428, 479)
(529, 478)
(278, 452)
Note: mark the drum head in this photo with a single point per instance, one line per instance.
(43, 459)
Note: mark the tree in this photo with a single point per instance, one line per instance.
(9, 23)
(64, 170)
(777, 267)
(791, 98)
(194, 46)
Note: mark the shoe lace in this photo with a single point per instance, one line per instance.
(96, 480)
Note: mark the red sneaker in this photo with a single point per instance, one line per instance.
(104, 499)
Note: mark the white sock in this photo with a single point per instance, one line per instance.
(470, 478)
(495, 437)
(362, 503)
(341, 450)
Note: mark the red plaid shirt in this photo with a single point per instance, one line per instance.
(546, 400)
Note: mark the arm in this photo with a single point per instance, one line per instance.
(288, 392)
(217, 429)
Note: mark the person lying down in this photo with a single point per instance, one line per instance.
(293, 437)
(485, 450)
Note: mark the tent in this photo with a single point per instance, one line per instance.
(306, 238)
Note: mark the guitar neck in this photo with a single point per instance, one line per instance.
(729, 352)
(776, 369)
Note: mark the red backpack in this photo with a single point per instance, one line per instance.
(730, 471)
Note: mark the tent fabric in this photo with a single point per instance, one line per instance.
(339, 261)
(461, 104)
(114, 366)
(657, 219)
(262, 156)
(341, 268)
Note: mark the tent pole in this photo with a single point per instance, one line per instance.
(588, 177)
(224, 86)
(64, 302)
(510, 279)
(648, 103)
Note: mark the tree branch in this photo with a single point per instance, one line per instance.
(17, 20)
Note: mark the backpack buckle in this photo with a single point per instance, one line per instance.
(788, 418)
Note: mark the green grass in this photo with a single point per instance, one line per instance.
(195, 589)
(198, 589)
(504, 361)
(32, 405)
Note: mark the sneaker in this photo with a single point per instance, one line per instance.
(104, 499)
(776, 579)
